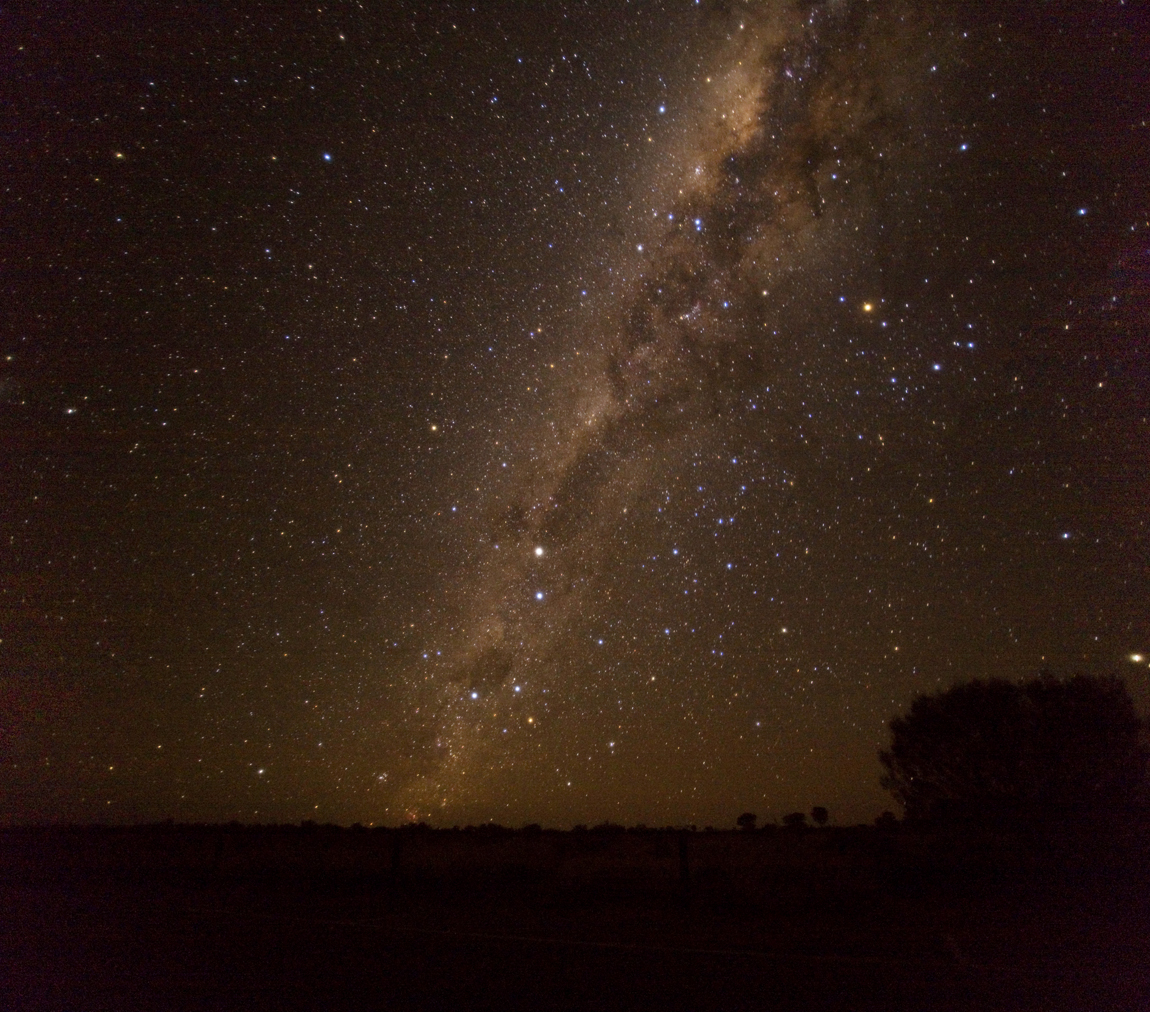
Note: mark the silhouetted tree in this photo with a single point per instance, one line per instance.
(819, 815)
(1047, 750)
(887, 821)
(747, 821)
(796, 820)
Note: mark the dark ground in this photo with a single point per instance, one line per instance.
(286, 918)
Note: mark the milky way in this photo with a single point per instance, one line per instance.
(764, 280)
(617, 416)
(751, 225)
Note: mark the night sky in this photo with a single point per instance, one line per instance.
(557, 412)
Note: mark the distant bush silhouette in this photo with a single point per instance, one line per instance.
(796, 820)
(819, 815)
(747, 821)
(1045, 751)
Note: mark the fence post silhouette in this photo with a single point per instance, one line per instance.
(396, 854)
(218, 856)
(684, 870)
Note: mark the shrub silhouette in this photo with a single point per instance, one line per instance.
(796, 820)
(1045, 751)
(819, 815)
(747, 821)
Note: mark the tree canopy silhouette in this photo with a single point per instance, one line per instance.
(1045, 750)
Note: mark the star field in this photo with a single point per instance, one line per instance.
(614, 413)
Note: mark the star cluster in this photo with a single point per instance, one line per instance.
(618, 413)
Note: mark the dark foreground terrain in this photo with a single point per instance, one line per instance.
(173, 917)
